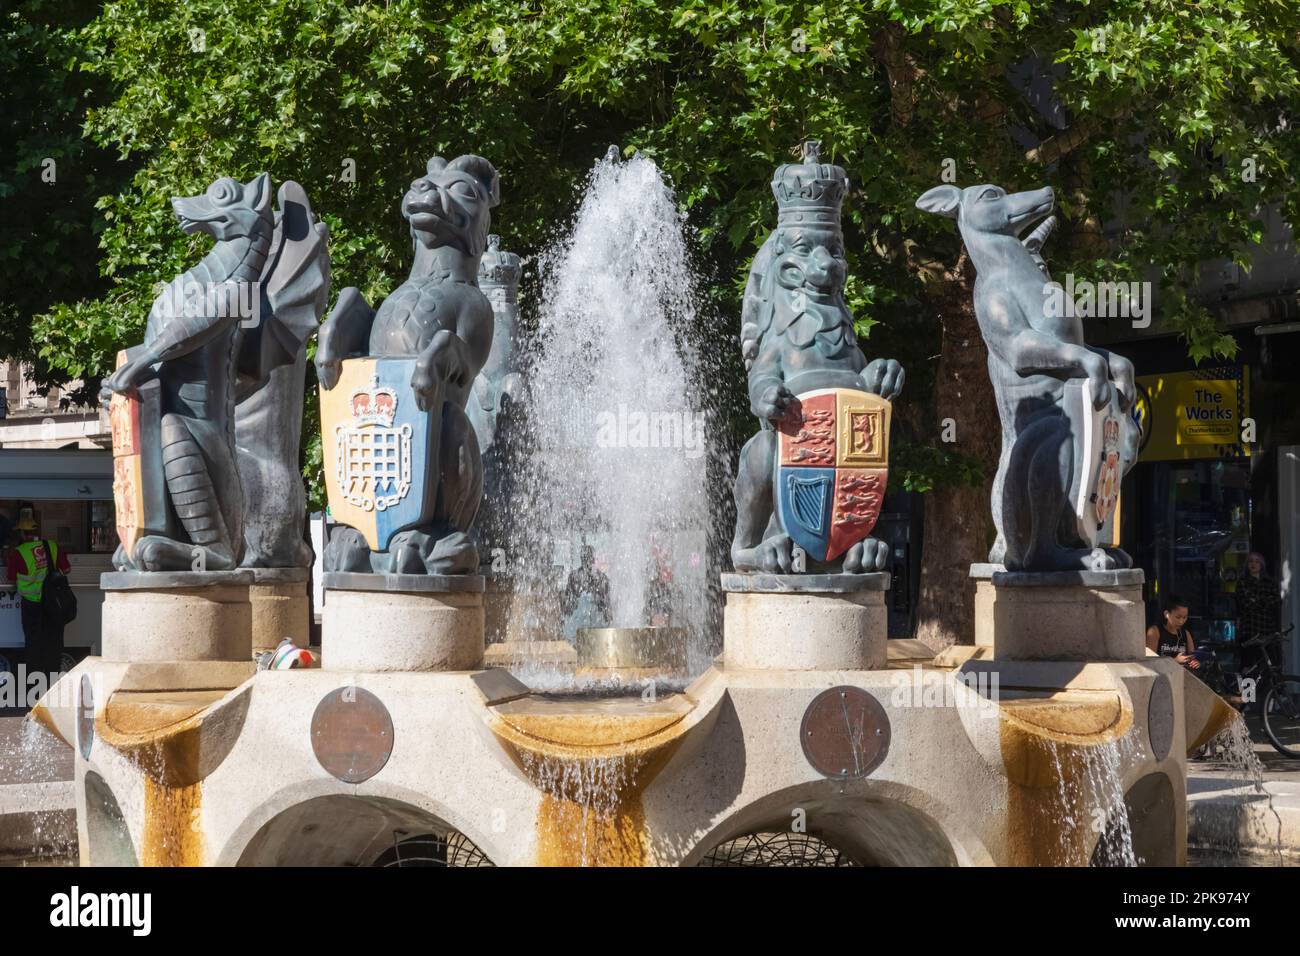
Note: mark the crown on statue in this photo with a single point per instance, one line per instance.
(498, 268)
(374, 405)
(809, 192)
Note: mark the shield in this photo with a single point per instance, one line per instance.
(832, 468)
(139, 486)
(1094, 488)
(379, 449)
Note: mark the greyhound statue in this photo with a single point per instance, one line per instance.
(1067, 435)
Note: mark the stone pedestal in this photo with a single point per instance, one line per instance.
(280, 609)
(402, 622)
(805, 621)
(1060, 615)
(169, 616)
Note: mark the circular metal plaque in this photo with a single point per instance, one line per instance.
(86, 717)
(352, 734)
(844, 733)
(1160, 717)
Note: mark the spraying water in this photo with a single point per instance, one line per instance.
(615, 454)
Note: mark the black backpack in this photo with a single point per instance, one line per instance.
(58, 603)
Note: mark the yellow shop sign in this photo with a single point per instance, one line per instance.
(1194, 414)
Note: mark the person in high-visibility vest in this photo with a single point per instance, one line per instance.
(27, 566)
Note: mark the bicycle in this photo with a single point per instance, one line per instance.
(1276, 694)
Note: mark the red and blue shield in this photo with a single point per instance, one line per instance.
(832, 468)
(376, 448)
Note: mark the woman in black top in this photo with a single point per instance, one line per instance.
(1171, 638)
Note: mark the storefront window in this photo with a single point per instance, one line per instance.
(1196, 520)
(103, 528)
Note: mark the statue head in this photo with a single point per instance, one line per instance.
(808, 244)
(451, 204)
(228, 209)
(987, 209)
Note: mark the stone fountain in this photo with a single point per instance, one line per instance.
(812, 739)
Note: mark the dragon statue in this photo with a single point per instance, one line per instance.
(177, 464)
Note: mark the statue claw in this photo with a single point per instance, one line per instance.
(868, 556)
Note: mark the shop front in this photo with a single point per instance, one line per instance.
(1205, 491)
(70, 492)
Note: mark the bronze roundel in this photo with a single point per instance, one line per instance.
(86, 717)
(352, 734)
(844, 733)
(1160, 717)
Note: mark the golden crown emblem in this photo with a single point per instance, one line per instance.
(374, 405)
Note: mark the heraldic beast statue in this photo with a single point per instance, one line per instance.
(172, 399)
(1067, 435)
(810, 484)
(402, 463)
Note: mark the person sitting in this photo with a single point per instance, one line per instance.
(1171, 637)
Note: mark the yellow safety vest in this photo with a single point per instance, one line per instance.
(29, 584)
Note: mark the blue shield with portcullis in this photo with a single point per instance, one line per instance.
(376, 448)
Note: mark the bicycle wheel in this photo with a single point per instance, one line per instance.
(1281, 712)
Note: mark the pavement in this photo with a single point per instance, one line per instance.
(1229, 811)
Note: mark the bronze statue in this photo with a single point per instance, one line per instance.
(402, 462)
(810, 484)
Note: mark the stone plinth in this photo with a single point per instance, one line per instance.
(280, 609)
(1060, 615)
(402, 622)
(805, 621)
(167, 616)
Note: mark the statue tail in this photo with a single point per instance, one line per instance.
(190, 485)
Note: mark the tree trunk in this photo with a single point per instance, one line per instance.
(958, 520)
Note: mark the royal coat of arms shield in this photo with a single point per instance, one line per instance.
(832, 468)
(376, 445)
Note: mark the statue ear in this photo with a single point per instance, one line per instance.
(482, 170)
(258, 191)
(941, 200)
(436, 165)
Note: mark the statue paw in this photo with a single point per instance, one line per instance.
(407, 550)
(866, 557)
(883, 377)
(775, 555)
(347, 551)
(156, 553)
(122, 560)
(454, 554)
